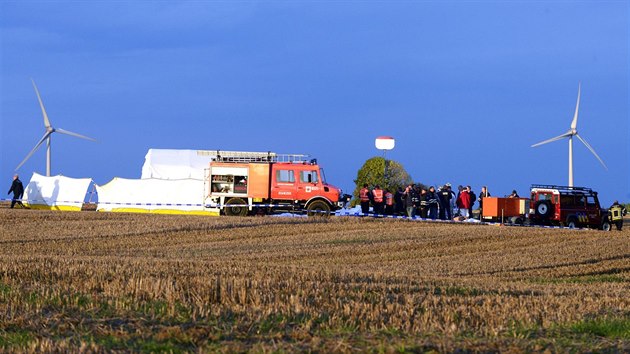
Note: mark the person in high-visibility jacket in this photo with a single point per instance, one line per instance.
(616, 212)
(364, 196)
(389, 202)
(378, 195)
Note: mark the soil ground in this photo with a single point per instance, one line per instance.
(88, 281)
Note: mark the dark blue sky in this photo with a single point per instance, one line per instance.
(464, 87)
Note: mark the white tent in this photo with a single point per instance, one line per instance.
(56, 192)
(184, 196)
(176, 164)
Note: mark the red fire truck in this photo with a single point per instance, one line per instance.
(241, 183)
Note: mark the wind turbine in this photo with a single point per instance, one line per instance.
(570, 134)
(47, 135)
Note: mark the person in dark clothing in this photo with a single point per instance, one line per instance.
(452, 201)
(17, 188)
(473, 198)
(424, 206)
(417, 199)
(432, 203)
(445, 203)
(409, 197)
(514, 194)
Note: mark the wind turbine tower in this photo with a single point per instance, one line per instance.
(570, 134)
(49, 130)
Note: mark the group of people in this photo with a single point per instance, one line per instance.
(428, 203)
(381, 200)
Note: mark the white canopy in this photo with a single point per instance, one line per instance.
(152, 195)
(176, 164)
(56, 192)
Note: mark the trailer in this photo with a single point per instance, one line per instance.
(505, 210)
(243, 183)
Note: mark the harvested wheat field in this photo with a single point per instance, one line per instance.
(87, 281)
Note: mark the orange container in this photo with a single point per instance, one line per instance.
(494, 207)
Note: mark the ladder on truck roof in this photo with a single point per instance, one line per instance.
(246, 156)
(563, 188)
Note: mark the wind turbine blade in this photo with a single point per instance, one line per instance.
(592, 150)
(46, 135)
(41, 104)
(565, 135)
(577, 107)
(62, 131)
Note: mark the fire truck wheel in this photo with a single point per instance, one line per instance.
(606, 226)
(318, 208)
(236, 209)
(543, 209)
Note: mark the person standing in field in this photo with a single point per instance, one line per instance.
(389, 203)
(408, 197)
(424, 204)
(417, 199)
(377, 195)
(445, 203)
(473, 198)
(364, 196)
(463, 202)
(483, 194)
(460, 188)
(452, 201)
(17, 188)
(617, 212)
(432, 203)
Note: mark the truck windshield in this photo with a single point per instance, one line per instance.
(323, 175)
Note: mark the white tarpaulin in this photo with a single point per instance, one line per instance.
(184, 196)
(56, 193)
(176, 164)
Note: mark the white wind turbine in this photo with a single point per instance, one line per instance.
(47, 135)
(570, 134)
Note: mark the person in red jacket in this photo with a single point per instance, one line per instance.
(364, 197)
(463, 202)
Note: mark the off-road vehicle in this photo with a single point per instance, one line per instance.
(573, 207)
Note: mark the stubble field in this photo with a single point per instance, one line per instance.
(87, 281)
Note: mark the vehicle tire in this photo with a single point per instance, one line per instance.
(318, 208)
(544, 209)
(606, 226)
(238, 207)
(518, 221)
(572, 223)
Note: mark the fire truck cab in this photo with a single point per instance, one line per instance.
(240, 183)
